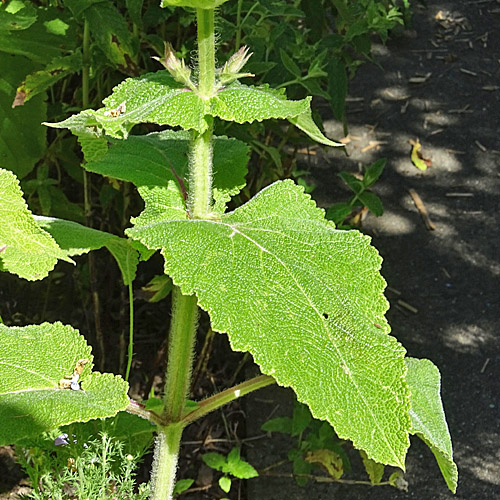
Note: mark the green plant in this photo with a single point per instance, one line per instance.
(311, 48)
(304, 298)
(230, 465)
(363, 197)
(318, 447)
(84, 461)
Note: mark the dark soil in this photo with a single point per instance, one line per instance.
(449, 275)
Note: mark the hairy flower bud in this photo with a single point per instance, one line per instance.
(176, 67)
(231, 70)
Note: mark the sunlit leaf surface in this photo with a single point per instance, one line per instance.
(27, 250)
(427, 415)
(306, 301)
(33, 361)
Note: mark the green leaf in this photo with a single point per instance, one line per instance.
(338, 212)
(301, 467)
(353, 182)
(225, 484)
(234, 456)
(372, 202)
(374, 470)
(238, 467)
(337, 87)
(182, 485)
(214, 460)
(305, 123)
(22, 138)
(152, 162)
(193, 4)
(373, 172)
(134, 8)
(111, 33)
(41, 80)
(242, 103)
(16, 15)
(280, 424)
(306, 301)
(30, 252)
(427, 415)
(52, 35)
(158, 98)
(33, 360)
(93, 148)
(301, 419)
(76, 239)
(289, 64)
(151, 98)
(313, 88)
(158, 288)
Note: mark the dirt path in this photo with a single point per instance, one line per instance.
(439, 83)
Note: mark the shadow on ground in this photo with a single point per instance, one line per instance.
(449, 275)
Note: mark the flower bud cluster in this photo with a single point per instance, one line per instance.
(231, 70)
(176, 67)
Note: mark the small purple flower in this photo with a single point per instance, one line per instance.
(61, 440)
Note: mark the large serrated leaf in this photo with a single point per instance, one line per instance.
(306, 301)
(427, 415)
(33, 360)
(242, 103)
(158, 98)
(22, 138)
(152, 98)
(76, 239)
(152, 162)
(29, 251)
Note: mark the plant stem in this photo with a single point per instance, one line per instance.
(180, 354)
(180, 359)
(227, 396)
(238, 25)
(184, 308)
(166, 454)
(131, 329)
(200, 160)
(200, 174)
(86, 65)
(206, 52)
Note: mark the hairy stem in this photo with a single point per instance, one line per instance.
(184, 308)
(180, 354)
(130, 330)
(224, 397)
(166, 455)
(180, 359)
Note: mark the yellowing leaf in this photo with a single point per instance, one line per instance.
(329, 460)
(374, 470)
(416, 156)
